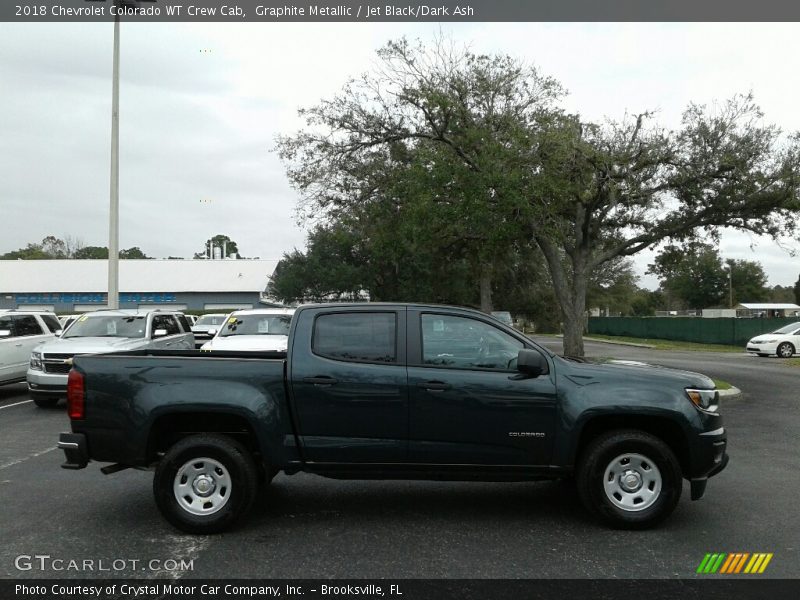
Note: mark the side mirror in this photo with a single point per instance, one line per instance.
(58, 332)
(212, 332)
(159, 333)
(531, 363)
(5, 333)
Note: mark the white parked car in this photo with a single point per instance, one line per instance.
(20, 332)
(100, 332)
(255, 329)
(784, 342)
(206, 327)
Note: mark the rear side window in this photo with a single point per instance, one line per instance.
(184, 322)
(52, 323)
(357, 336)
(27, 325)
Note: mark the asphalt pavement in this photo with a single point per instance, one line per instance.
(311, 527)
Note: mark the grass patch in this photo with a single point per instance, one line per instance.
(669, 344)
(722, 385)
(792, 362)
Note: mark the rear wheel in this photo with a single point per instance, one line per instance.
(630, 479)
(205, 483)
(785, 350)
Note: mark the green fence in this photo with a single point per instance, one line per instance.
(735, 332)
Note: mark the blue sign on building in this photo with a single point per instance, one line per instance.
(81, 298)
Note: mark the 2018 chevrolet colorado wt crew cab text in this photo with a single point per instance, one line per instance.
(394, 391)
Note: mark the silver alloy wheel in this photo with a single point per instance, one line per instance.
(632, 482)
(202, 486)
(785, 350)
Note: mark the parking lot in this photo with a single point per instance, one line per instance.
(306, 526)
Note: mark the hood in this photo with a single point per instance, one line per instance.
(585, 371)
(248, 342)
(91, 345)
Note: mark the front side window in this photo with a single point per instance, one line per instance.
(132, 326)
(356, 336)
(27, 325)
(7, 325)
(166, 322)
(464, 343)
(256, 325)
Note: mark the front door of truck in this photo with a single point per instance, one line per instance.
(350, 386)
(468, 405)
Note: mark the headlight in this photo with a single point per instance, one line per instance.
(767, 341)
(36, 361)
(707, 400)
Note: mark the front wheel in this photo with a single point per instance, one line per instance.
(785, 350)
(630, 479)
(205, 483)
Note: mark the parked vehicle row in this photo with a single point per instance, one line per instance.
(39, 347)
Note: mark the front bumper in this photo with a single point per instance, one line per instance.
(762, 348)
(46, 385)
(75, 450)
(710, 459)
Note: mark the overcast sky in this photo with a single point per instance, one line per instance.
(201, 105)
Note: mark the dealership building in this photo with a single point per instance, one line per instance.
(73, 286)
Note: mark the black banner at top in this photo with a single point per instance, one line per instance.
(397, 10)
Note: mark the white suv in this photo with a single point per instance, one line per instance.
(100, 332)
(20, 332)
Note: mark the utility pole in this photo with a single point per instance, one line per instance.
(113, 222)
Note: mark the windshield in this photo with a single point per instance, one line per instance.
(132, 326)
(256, 325)
(210, 320)
(788, 328)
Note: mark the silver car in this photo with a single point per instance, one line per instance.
(100, 332)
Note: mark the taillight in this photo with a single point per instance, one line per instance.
(76, 408)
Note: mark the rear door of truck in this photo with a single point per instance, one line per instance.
(349, 384)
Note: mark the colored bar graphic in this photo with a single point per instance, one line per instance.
(734, 563)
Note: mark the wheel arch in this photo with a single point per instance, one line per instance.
(664, 428)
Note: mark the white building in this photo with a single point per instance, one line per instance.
(69, 286)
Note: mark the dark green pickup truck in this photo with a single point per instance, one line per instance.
(394, 391)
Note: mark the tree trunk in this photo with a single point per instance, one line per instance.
(570, 287)
(486, 288)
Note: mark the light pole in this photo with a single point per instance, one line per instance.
(113, 213)
(113, 219)
(730, 283)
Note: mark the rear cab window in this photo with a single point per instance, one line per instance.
(358, 336)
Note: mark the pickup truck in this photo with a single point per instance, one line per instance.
(394, 391)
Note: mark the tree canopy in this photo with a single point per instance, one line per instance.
(497, 162)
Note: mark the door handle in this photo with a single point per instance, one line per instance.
(168, 344)
(321, 380)
(434, 386)
(18, 345)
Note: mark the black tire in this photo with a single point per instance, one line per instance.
(45, 402)
(596, 461)
(785, 350)
(236, 481)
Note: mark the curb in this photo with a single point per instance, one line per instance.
(731, 393)
(613, 343)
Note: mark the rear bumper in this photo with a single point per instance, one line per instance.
(75, 450)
